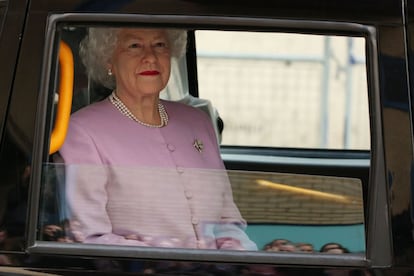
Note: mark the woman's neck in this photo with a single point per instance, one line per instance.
(144, 108)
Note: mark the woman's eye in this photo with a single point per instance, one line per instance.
(134, 45)
(160, 45)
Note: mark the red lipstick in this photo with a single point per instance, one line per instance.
(149, 73)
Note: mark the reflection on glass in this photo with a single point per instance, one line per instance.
(159, 208)
(190, 208)
(300, 213)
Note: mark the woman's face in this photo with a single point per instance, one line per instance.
(141, 61)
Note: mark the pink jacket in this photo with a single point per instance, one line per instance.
(128, 184)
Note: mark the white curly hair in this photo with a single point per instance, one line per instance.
(97, 48)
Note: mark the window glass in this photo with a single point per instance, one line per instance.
(169, 189)
(305, 211)
(300, 209)
(286, 90)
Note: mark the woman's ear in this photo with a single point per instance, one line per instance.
(109, 69)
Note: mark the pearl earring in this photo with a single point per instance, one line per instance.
(109, 72)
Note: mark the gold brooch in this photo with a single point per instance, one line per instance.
(198, 145)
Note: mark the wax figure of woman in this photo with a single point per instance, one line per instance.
(140, 170)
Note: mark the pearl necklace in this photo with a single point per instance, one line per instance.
(125, 111)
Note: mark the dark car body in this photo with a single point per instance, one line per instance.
(27, 45)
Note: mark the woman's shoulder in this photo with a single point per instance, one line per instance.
(92, 113)
(92, 108)
(185, 110)
(174, 105)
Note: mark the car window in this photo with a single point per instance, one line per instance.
(285, 89)
(254, 96)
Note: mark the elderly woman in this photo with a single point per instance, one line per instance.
(140, 170)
